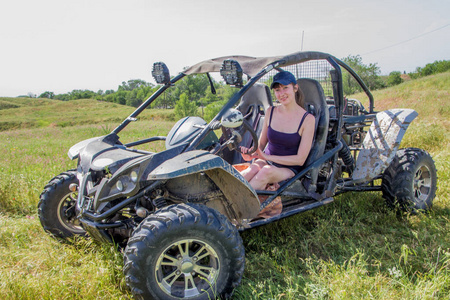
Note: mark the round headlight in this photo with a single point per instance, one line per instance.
(119, 185)
(134, 176)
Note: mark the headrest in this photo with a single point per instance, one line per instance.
(258, 94)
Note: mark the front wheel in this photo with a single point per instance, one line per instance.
(56, 207)
(410, 181)
(184, 251)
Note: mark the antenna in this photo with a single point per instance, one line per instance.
(303, 35)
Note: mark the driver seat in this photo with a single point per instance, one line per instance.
(253, 106)
(315, 103)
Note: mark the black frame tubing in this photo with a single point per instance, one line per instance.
(288, 213)
(360, 81)
(328, 155)
(116, 208)
(145, 141)
(147, 102)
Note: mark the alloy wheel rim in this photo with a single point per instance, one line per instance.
(422, 183)
(187, 268)
(71, 223)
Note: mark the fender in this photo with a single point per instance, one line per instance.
(381, 143)
(240, 200)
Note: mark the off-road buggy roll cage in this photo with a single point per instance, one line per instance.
(327, 144)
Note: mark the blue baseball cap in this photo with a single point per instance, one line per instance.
(283, 78)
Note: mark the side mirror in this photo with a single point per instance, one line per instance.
(161, 73)
(232, 118)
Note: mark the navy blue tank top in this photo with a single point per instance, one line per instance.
(280, 143)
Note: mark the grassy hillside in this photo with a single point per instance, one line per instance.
(20, 113)
(429, 96)
(354, 248)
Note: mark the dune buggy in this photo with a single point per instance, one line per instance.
(177, 213)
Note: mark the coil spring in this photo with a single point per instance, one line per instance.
(346, 156)
(159, 202)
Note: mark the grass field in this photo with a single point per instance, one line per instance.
(354, 248)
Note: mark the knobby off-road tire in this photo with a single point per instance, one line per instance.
(56, 207)
(184, 251)
(410, 181)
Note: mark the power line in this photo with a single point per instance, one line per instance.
(416, 37)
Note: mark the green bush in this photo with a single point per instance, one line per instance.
(439, 66)
(211, 110)
(184, 107)
(394, 78)
(368, 73)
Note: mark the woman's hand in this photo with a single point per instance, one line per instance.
(245, 156)
(248, 157)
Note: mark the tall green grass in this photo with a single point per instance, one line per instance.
(354, 248)
(34, 266)
(31, 157)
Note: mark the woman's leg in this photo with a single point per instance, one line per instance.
(253, 169)
(269, 174)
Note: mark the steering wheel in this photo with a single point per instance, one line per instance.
(233, 136)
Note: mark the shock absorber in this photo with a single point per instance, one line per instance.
(347, 157)
(159, 201)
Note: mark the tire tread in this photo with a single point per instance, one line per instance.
(178, 216)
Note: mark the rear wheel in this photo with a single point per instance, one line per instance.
(184, 251)
(56, 207)
(410, 181)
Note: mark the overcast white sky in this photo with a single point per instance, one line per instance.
(62, 45)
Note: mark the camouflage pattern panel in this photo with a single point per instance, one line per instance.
(381, 143)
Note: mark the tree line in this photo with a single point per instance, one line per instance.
(190, 94)
(370, 74)
(193, 92)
